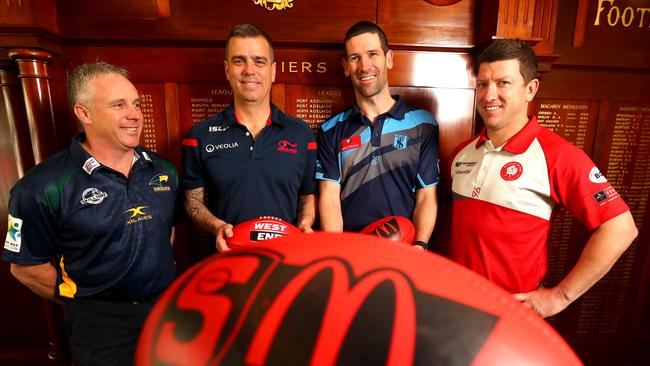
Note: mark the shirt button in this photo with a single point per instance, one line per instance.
(248, 133)
(251, 148)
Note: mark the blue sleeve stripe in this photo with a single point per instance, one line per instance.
(321, 176)
(425, 185)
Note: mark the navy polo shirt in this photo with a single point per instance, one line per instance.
(244, 177)
(379, 166)
(109, 235)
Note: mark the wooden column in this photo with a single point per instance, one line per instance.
(16, 117)
(33, 75)
(34, 78)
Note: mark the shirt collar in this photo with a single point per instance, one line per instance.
(88, 163)
(520, 142)
(275, 118)
(398, 111)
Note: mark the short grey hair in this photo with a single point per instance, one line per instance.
(81, 75)
(249, 31)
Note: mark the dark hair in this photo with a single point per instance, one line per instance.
(81, 75)
(365, 26)
(249, 31)
(511, 49)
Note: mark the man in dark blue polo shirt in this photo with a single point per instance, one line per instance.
(251, 159)
(103, 210)
(380, 157)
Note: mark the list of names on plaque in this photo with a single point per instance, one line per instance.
(149, 126)
(575, 121)
(628, 170)
(154, 128)
(198, 102)
(315, 104)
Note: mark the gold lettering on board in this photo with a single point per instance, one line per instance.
(274, 4)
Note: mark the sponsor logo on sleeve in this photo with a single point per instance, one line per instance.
(600, 196)
(92, 196)
(160, 182)
(511, 171)
(606, 195)
(400, 141)
(14, 234)
(595, 176)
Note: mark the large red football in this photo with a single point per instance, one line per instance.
(261, 228)
(396, 228)
(320, 299)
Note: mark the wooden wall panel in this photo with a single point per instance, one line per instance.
(419, 23)
(306, 21)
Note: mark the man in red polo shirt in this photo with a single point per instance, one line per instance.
(507, 180)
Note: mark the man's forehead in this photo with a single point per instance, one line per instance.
(363, 42)
(499, 69)
(241, 46)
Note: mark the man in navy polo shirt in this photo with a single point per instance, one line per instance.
(103, 210)
(380, 157)
(251, 159)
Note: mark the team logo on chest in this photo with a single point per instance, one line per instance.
(287, 146)
(400, 141)
(92, 196)
(511, 171)
(160, 183)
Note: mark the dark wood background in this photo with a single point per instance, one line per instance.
(595, 90)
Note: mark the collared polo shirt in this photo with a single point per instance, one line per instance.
(504, 198)
(109, 234)
(379, 166)
(246, 178)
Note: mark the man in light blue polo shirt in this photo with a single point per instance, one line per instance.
(380, 157)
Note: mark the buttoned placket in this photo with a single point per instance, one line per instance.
(486, 162)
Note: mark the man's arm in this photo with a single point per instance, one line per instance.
(201, 216)
(425, 213)
(606, 244)
(306, 212)
(40, 278)
(329, 205)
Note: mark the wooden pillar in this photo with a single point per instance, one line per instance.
(16, 117)
(33, 75)
(34, 79)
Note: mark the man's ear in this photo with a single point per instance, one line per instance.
(531, 89)
(82, 113)
(344, 63)
(389, 59)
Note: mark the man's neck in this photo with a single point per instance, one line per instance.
(254, 117)
(501, 136)
(376, 105)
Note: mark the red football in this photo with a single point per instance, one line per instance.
(396, 228)
(321, 299)
(261, 228)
